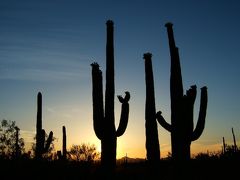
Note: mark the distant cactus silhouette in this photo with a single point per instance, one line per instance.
(224, 146)
(62, 155)
(41, 146)
(152, 143)
(103, 121)
(234, 142)
(64, 145)
(17, 147)
(181, 128)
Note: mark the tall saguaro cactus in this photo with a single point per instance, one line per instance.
(181, 128)
(41, 146)
(103, 120)
(152, 143)
(64, 143)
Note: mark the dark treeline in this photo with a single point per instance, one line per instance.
(84, 162)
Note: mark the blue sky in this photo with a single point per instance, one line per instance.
(48, 46)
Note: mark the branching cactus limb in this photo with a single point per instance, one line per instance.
(163, 122)
(97, 94)
(124, 114)
(42, 145)
(103, 117)
(202, 115)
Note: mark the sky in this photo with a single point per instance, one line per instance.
(48, 45)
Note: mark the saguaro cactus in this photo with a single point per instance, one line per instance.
(103, 121)
(41, 146)
(17, 148)
(152, 143)
(224, 146)
(181, 128)
(234, 142)
(64, 143)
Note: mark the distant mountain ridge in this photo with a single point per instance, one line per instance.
(130, 160)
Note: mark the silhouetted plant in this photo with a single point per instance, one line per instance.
(11, 145)
(49, 154)
(63, 155)
(103, 120)
(17, 147)
(152, 143)
(64, 145)
(42, 145)
(224, 146)
(208, 156)
(231, 151)
(234, 141)
(84, 152)
(181, 128)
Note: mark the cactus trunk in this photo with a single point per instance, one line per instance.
(64, 145)
(108, 144)
(152, 142)
(182, 106)
(104, 120)
(39, 127)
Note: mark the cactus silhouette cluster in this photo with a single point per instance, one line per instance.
(42, 146)
(182, 107)
(182, 110)
(103, 118)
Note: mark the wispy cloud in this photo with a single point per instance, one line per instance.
(39, 75)
(51, 110)
(28, 136)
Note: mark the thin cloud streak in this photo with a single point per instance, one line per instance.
(40, 75)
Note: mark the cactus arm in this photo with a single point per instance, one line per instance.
(202, 115)
(163, 122)
(97, 94)
(188, 101)
(124, 114)
(48, 143)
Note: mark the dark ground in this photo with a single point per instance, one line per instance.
(166, 169)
